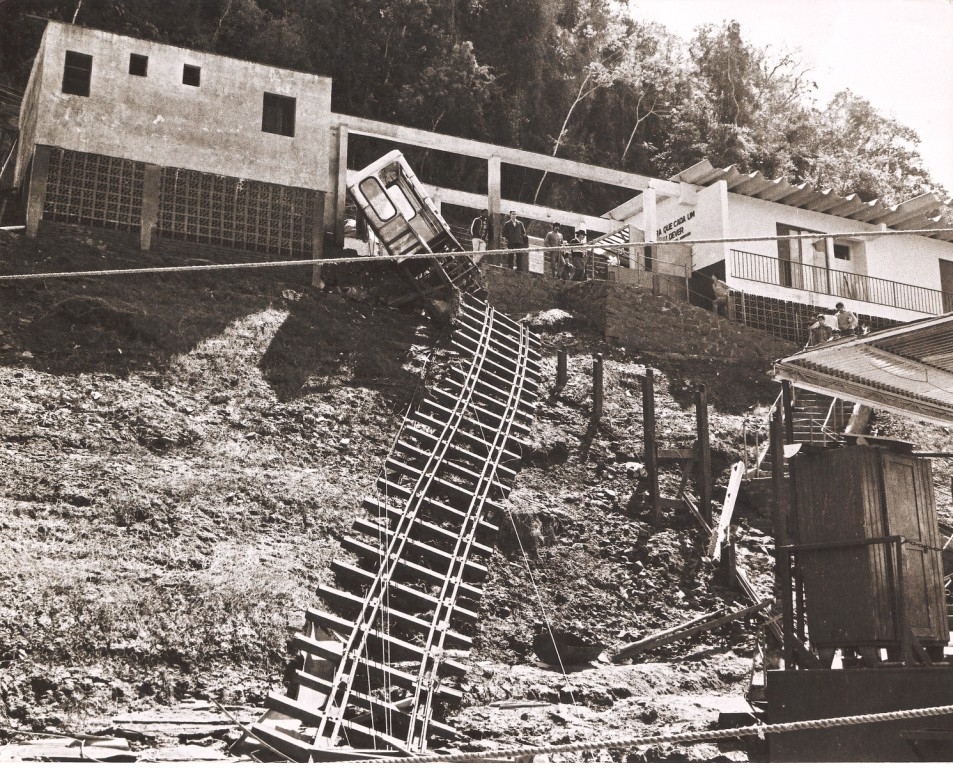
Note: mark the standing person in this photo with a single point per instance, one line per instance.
(515, 235)
(481, 230)
(720, 294)
(847, 322)
(554, 239)
(578, 256)
(819, 332)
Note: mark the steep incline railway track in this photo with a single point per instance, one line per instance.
(373, 672)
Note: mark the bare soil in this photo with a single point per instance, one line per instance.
(181, 454)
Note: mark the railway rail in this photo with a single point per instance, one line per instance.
(375, 670)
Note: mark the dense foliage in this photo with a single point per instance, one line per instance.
(578, 78)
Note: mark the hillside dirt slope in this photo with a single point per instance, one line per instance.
(180, 455)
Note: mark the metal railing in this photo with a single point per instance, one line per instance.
(832, 282)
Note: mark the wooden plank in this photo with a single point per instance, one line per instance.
(472, 570)
(346, 570)
(404, 567)
(670, 636)
(720, 531)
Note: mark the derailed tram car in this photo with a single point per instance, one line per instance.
(405, 220)
(398, 208)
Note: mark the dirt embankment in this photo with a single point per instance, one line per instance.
(182, 453)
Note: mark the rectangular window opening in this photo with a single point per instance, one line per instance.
(191, 75)
(278, 114)
(138, 64)
(842, 251)
(77, 71)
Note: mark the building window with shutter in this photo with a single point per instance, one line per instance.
(77, 72)
(278, 114)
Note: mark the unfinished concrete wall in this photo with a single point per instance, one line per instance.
(213, 127)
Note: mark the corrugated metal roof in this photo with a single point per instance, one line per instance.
(920, 212)
(907, 369)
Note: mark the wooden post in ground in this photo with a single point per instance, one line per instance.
(597, 391)
(562, 370)
(782, 562)
(787, 397)
(704, 453)
(650, 446)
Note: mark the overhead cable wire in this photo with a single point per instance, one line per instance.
(451, 255)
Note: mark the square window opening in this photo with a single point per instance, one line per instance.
(842, 251)
(138, 64)
(191, 75)
(278, 114)
(77, 72)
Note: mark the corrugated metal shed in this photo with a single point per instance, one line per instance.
(907, 369)
(920, 212)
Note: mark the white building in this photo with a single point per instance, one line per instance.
(849, 250)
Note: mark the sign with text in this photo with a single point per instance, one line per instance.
(677, 229)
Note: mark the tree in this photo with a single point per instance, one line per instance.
(859, 150)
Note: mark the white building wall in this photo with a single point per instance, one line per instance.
(213, 128)
(908, 259)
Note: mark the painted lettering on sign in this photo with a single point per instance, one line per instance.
(676, 229)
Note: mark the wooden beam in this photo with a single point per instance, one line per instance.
(719, 532)
(680, 633)
(470, 148)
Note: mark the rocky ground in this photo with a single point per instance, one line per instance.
(182, 453)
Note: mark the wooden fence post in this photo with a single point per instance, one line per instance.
(562, 370)
(650, 446)
(704, 453)
(597, 388)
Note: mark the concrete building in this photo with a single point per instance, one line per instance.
(173, 145)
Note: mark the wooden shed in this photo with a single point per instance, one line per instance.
(867, 543)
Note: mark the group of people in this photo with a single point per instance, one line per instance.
(566, 264)
(847, 325)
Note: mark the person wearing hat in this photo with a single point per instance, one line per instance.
(554, 239)
(515, 235)
(577, 256)
(819, 332)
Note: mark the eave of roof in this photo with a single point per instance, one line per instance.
(907, 369)
(910, 214)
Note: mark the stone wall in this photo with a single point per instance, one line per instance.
(518, 293)
(633, 317)
(638, 320)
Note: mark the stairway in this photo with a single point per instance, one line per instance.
(817, 420)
